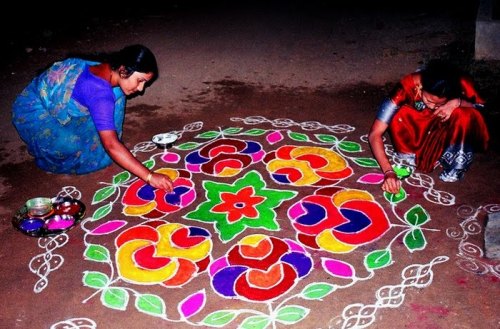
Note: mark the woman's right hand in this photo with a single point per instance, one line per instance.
(391, 183)
(161, 181)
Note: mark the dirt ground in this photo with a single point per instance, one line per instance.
(294, 72)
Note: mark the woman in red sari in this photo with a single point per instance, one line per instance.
(433, 118)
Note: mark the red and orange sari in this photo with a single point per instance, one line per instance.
(414, 130)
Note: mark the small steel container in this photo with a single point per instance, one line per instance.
(39, 206)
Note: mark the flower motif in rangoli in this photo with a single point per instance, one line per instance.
(307, 166)
(158, 252)
(240, 204)
(338, 220)
(141, 199)
(245, 203)
(224, 157)
(260, 268)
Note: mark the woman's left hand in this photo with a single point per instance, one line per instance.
(444, 111)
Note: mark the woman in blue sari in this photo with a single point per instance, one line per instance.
(71, 115)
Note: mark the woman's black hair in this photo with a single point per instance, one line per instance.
(441, 79)
(134, 58)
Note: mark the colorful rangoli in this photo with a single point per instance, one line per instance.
(278, 215)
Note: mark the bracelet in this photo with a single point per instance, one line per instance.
(389, 171)
(148, 178)
(459, 102)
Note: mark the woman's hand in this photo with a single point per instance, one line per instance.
(444, 111)
(160, 181)
(122, 156)
(391, 182)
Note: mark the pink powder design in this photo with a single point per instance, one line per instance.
(170, 157)
(274, 137)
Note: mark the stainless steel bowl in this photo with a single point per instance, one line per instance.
(39, 206)
(165, 140)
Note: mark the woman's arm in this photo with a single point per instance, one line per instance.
(391, 182)
(122, 156)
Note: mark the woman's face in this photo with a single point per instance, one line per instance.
(433, 102)
(135, 83)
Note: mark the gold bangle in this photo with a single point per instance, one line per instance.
(148, 178)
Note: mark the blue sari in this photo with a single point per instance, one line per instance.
(58, 131)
